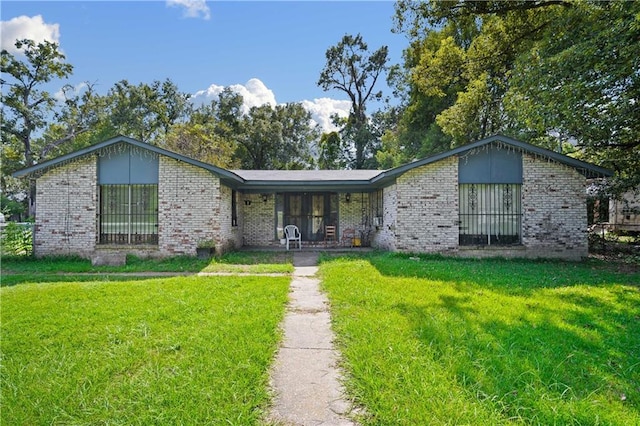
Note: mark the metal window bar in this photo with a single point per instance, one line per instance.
(128, 214)
(490, 214)
(234, 208)
(379, 202)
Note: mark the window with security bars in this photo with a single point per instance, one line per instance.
(128, 214)
(234, 208)
(378, 206)
(490, 214)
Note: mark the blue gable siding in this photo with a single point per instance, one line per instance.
(127, 167)
(491, 165)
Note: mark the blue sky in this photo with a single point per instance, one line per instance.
(269, 51)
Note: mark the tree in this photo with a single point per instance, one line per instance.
(330, 155)
(298, 136)
(76, 125)
(146, 112)
(583, 85)
(210, 133)
(200, 141)
(351, 69)
(478, 46)
(548, 72)
(26, 106)
(276, 138)
(416, 133)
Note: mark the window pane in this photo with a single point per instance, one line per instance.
(317, 214)
(128, 214)
(114, 205)
(234, 208)
(279, 216)
(490, 214)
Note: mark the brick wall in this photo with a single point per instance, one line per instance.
(384, 235)
(230, 236)
(259, 220)
(192, 206)
(66, 210)
(189, 205)
(427, 208)
(351, 214)
(554, 222)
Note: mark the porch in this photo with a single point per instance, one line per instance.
(312, 247)
(263, 217)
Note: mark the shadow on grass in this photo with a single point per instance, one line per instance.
(15, 279)
(511, 275)
(541, 342)
(557, 363)
(19, 269)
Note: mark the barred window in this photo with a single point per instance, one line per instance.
(234, 208)
(490, 214)
(379, 202)
(128, 214)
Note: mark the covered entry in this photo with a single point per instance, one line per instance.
(309, 211)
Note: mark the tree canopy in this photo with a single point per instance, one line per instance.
(353, 70)
(276, 138)
(554, 73)
(563, 74)
(26, 108)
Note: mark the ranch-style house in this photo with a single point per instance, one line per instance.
(494, 197)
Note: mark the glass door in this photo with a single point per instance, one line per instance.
(310, 212)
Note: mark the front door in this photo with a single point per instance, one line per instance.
(309, 211)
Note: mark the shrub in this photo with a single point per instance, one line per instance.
(17, 239)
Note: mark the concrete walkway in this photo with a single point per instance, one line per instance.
(305, 378)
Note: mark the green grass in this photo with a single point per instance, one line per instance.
(429, 340)
(252, 262)
(21, 269)
(181, 350)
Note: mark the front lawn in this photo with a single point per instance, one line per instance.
(21, 269)
(428, 340)
(182, 350)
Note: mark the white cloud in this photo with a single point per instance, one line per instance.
(192, 8)
(255, 93)
(33, 28)
(323, 108)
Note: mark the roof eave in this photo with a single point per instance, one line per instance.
(227, 176)
(255, 186)
(586, 169)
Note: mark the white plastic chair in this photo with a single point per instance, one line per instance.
(292, 233)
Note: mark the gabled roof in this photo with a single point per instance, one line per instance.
(587, 169)
(320, 180)
(226, 175)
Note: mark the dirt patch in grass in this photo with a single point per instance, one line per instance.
(618, 255)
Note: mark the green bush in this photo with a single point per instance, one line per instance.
(12, 208)
(17, 239)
